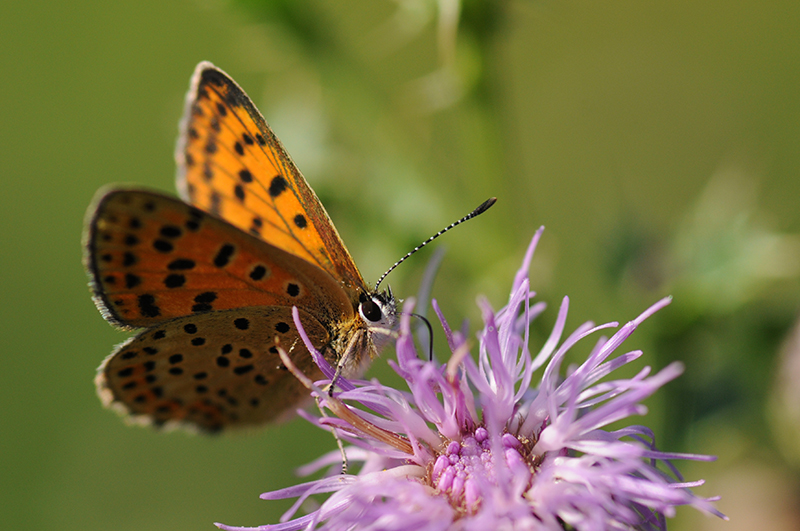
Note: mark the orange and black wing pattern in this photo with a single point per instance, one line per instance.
(231, 164)
(153, 258)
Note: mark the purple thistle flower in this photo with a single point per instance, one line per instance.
(473, 446)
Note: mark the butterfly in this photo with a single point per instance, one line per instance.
(212, 278)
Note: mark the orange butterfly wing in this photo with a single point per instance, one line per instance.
(153, 258)
(231, 164)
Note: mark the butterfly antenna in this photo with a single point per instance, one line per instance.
(478, 211)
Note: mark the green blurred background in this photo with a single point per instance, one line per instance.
(657, 141)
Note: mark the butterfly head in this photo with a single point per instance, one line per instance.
(378, 311)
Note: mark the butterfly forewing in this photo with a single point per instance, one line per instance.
(153, 258)
(215, 369)
(231, 164)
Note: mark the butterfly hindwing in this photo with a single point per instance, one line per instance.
(153, 258)
(216, 369)
(231, 164)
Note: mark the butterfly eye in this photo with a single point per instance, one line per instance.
(370, 310)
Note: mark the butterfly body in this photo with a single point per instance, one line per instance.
(213, 279)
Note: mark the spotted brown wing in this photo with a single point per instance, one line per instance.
(213, 370)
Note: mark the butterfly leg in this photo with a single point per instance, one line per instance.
(350, 361)
(336, 376)
(336, 437)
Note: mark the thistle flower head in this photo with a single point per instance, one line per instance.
(504, 442)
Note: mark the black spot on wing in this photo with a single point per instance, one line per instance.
(147, 306)
(224, 255)
(277, 186)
